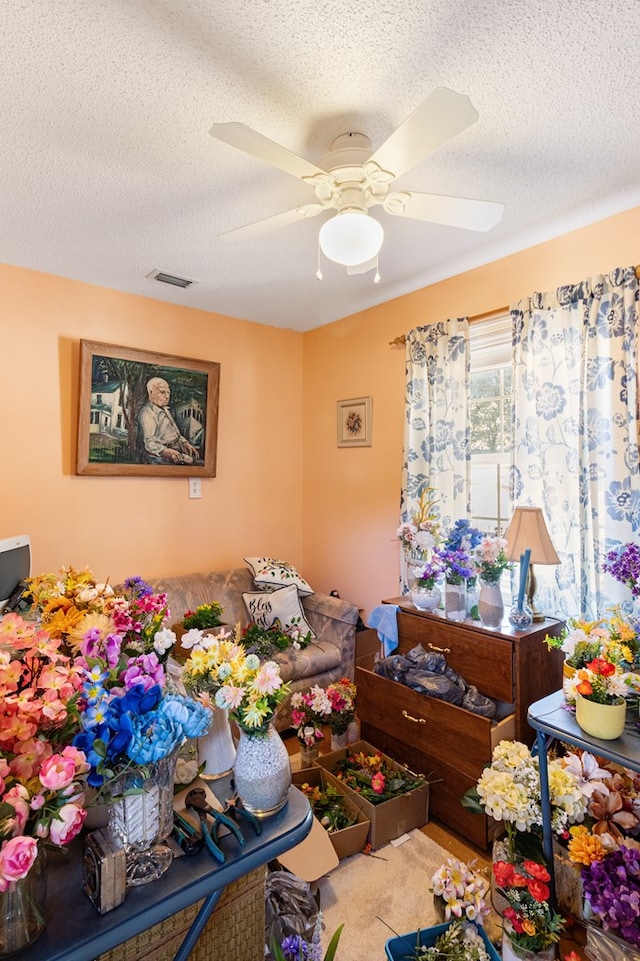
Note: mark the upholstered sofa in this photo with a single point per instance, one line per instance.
(330, 656)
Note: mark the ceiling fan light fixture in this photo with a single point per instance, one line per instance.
(351, 237)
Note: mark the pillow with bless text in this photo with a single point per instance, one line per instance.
(269, 573)
(280, 607)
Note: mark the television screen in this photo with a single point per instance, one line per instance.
(15, 565)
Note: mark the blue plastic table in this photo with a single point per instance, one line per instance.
(76, 932)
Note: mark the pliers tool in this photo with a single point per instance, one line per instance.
(196, 799)
(236, 809)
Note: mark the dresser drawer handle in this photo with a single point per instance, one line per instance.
(440, 650)
(416, 720)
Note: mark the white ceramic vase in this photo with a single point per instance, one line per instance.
(216, 749)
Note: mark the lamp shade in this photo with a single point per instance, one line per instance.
(527, 530)
(351, 237)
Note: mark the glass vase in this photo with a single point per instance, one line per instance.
(425, 598)
(308, 754)
(262, 772)
(216, 749)
(339, 740)
(22, 916)
(455, 601)
(513, 952)
(490, 604)
(143, 819)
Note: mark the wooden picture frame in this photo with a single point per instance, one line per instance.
(354, 422)
(120, 428)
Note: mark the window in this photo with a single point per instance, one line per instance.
(491, 428)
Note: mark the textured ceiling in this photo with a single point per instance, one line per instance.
(108, 170)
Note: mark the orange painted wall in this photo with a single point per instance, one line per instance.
(283, 485)
(351, 495)
(144, 525)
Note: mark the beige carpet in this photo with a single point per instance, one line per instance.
(364, 888)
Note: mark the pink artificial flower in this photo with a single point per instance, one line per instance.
(17, 797)
(378, 782)
(67, 823)
(268, 679)
(57, 772)
(78, 757)
(16, 858)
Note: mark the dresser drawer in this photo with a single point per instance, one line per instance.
(480, 658)
(441, 731)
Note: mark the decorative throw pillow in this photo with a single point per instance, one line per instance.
(281, 607)
(269, 573)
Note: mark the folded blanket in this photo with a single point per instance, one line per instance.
(383, 619)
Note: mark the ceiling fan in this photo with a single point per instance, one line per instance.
(351, 179)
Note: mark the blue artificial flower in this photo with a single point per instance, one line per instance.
(137, 586)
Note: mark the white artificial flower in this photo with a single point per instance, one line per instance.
(192, 638)
(586, 770)
(164, 640)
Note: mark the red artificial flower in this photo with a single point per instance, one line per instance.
(536, 870)
(600, 665)
(503, 872)
(538, 890)
(519, 880)
(514, 918)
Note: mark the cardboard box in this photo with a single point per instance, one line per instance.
(389, 819)
(312, 858)
(349, 840)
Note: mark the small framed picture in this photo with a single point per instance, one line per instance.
(354, 422)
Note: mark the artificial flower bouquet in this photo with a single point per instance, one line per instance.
(623, 563)
(508, 790)
(426, 575)
(462, 889)
(42, 776)
(599, 681)
(611, 887)
(309, 711)
(341, 696)
(374, 777)
(528, 920)
(267, 641)
(129, 716)
(329, 806)
(610, 637)
(458, 565)
(490, 558)
(204, 617)
(220, 672)
(420, 534)
(71, 602)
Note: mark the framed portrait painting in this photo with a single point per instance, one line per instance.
(354, 422)
(142, 412)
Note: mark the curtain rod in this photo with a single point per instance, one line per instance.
(402, 338)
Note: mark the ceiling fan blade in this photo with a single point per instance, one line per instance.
(260, 227)
(450, 211)
(442, 115)
(251, 142)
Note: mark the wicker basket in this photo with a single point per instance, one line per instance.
(235, 930)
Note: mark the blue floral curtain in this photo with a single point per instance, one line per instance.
(576, 412)
(436, 435)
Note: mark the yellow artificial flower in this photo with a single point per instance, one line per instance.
(585, 848)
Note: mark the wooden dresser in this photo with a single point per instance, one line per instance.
(447, 743)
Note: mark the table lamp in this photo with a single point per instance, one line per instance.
(527, 531)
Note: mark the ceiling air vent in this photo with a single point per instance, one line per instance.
(171, 279)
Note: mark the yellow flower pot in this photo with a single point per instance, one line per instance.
(604, 721)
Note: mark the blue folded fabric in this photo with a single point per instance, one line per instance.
(383, 619)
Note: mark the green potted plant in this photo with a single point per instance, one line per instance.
(204, 617)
